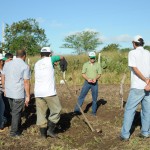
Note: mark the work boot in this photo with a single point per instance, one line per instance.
(51, 128)
(43, 132)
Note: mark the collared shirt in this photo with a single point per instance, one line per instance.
(139, 58)
(91, 70)
(15, 72)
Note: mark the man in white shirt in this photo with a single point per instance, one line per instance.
(139, 64)
(45, 93)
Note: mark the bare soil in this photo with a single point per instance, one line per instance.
(73, 131)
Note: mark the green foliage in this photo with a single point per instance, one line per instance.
(25, 34)
(125, 49)
(82, 41)
(111, 47)
(114, 62)
(147, 47)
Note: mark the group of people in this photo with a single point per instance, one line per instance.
(15, 84)
(15, 87)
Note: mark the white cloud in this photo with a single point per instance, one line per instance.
(55, 24)
(120, 38)
(40, 20)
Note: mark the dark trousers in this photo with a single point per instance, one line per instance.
(16, 106)
(2, 109)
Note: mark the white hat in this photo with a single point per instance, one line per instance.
(92, 54)
(136, 38)
(1, 56)
(46, 49)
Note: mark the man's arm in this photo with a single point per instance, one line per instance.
(98, 76)
(27, 91)
(140, 75)
(3, 83)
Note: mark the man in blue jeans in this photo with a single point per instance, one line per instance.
(91, 72)
(139, 64)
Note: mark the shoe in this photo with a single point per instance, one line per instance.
(143, 136)
(124, 139)
(43, 132)
(51, 128)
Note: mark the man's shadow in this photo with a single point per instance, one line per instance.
(64, 122)
(29, 113)
(99, 103)
(136, 122)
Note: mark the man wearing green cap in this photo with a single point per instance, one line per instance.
(91, 72)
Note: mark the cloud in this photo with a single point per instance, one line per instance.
(76, 32)
(55, 24)
(40, 20)
(120, 38)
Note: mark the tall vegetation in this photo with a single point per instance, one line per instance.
(25, 34)
(82, 41)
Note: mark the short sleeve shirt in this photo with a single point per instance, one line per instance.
(55, 59)
(139, 58)
(15, 72)
(91, 70)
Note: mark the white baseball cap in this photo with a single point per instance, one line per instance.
(46, 49)
(92, 54)
(136, 38)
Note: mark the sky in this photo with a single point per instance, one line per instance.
(117, 21)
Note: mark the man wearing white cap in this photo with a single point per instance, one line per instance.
(139, 64)
(45, 93)
(91, 72)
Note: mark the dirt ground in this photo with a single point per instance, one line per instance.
(73, 131)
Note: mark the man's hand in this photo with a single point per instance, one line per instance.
(90, 80)
(147, 88)
(94, 81)
(27, 101)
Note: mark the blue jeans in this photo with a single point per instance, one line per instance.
(135, 97)
(94, 89)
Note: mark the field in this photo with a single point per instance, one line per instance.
(73, 131)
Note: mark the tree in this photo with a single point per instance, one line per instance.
(147, 47)
(82, 41)
(125, 49)
(111, 47)
(25, 34)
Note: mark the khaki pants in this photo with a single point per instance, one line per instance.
(42, 104)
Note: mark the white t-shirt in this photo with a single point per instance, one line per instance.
(139, 58)
(44, 78)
